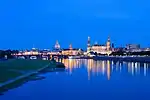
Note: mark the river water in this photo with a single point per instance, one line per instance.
(88, 80)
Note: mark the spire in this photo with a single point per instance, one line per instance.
(108, 40)
(70, 46)
(108, 44)
(88, 44)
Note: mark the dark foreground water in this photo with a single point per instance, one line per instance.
(88, 80)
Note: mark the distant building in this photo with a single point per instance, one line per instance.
(57, 45)
(56, 49)
(119, 49)
(45, 52)
(99, 48)
(33, 51)
(146, 49)
(71, 51)
(102, 49)
(132, 46)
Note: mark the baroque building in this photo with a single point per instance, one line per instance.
(99, 48)
(72, 51)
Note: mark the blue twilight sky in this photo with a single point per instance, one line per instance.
(42, 22)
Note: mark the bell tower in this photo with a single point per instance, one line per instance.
(70, 49)
(70, 46)
(88, 44)
(108, 44)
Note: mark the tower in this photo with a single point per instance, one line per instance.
(88, 45)
(57, 46)
(112, 47)
(108, 44)
(70, 49)
(70, 46)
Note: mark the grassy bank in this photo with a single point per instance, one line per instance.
(11, 69)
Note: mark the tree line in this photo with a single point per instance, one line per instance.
(9, 53)
(123, 53)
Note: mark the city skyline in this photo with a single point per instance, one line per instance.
(75, 45)
(74, 49)
(92, 42)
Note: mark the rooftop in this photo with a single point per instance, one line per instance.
(98, 45)
(73, 49)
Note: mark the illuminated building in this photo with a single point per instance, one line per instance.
(132, 46)
(56, 50)
(98, 48)
(71, 51)
(33, 51)
(45, 51)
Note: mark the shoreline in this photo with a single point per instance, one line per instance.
(30, 74)
(118, 58)
(124, 58)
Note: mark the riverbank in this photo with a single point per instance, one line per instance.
(13, 70)
(123, 58)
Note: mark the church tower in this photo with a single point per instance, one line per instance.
(108, 44)
(70, 46)
(70, 49)
(88, 45)
(57, 46)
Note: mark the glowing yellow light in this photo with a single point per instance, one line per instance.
(108, 70)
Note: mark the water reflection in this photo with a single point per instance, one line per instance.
(71, 64)
(106, 68)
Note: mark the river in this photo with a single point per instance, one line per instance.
(88, 80)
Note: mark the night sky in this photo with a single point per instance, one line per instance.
(42, 22)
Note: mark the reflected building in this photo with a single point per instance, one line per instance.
(105, 68)
(108, 70)
(98, 67)
(137, 68)
(71, 64)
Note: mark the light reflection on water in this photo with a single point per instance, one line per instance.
(106, 67)
(86, 79)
